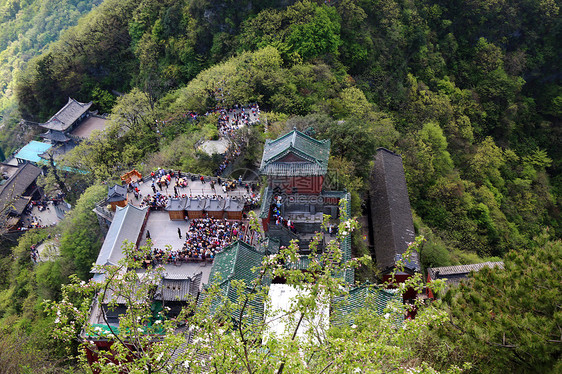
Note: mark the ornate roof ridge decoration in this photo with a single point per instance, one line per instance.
(67, 115)
(116, 193)
(314, 155)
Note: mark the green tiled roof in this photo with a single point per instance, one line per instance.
(315, 154)
(266, 202)
(32, 151)
(365, 297)
(346, 244)
(302, 263)
(269, 246)
(236, 262)
(254, 310)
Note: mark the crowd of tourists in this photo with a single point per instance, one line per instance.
(278, 219)
(156, 201)
(204, 238)
(34, 253)
(228, 158)
(234, 118)
(229, 121)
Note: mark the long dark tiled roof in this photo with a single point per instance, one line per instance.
(454, 274)
(393, 226)
(127, 224)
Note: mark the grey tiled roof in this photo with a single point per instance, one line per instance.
(11, 191)
(67, 115)
(126, 225)
(454, 274)
(56, 136)
(234, 205)
(195, 204)
(393, 226)
(311, 155)
(116, 193)
(176, 204)
(179, 289)
(215, 205)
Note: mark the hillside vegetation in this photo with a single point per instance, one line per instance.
(28, 27)
(469, 92)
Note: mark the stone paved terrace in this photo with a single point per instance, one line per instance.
(47, 217)
(164, 231)
(92, 123)
(194, 188)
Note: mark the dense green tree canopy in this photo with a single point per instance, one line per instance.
(468, 92)
(510, 319)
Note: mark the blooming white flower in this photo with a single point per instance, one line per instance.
(387, 315)
(354, 326)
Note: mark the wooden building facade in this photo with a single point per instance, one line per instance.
(117, 196)
(176, 208)
(195, 208)
(234, 208)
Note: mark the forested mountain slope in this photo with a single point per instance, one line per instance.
(26, 29)
(469, 92)
(472, 89)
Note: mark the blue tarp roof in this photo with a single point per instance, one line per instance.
(32, 150)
